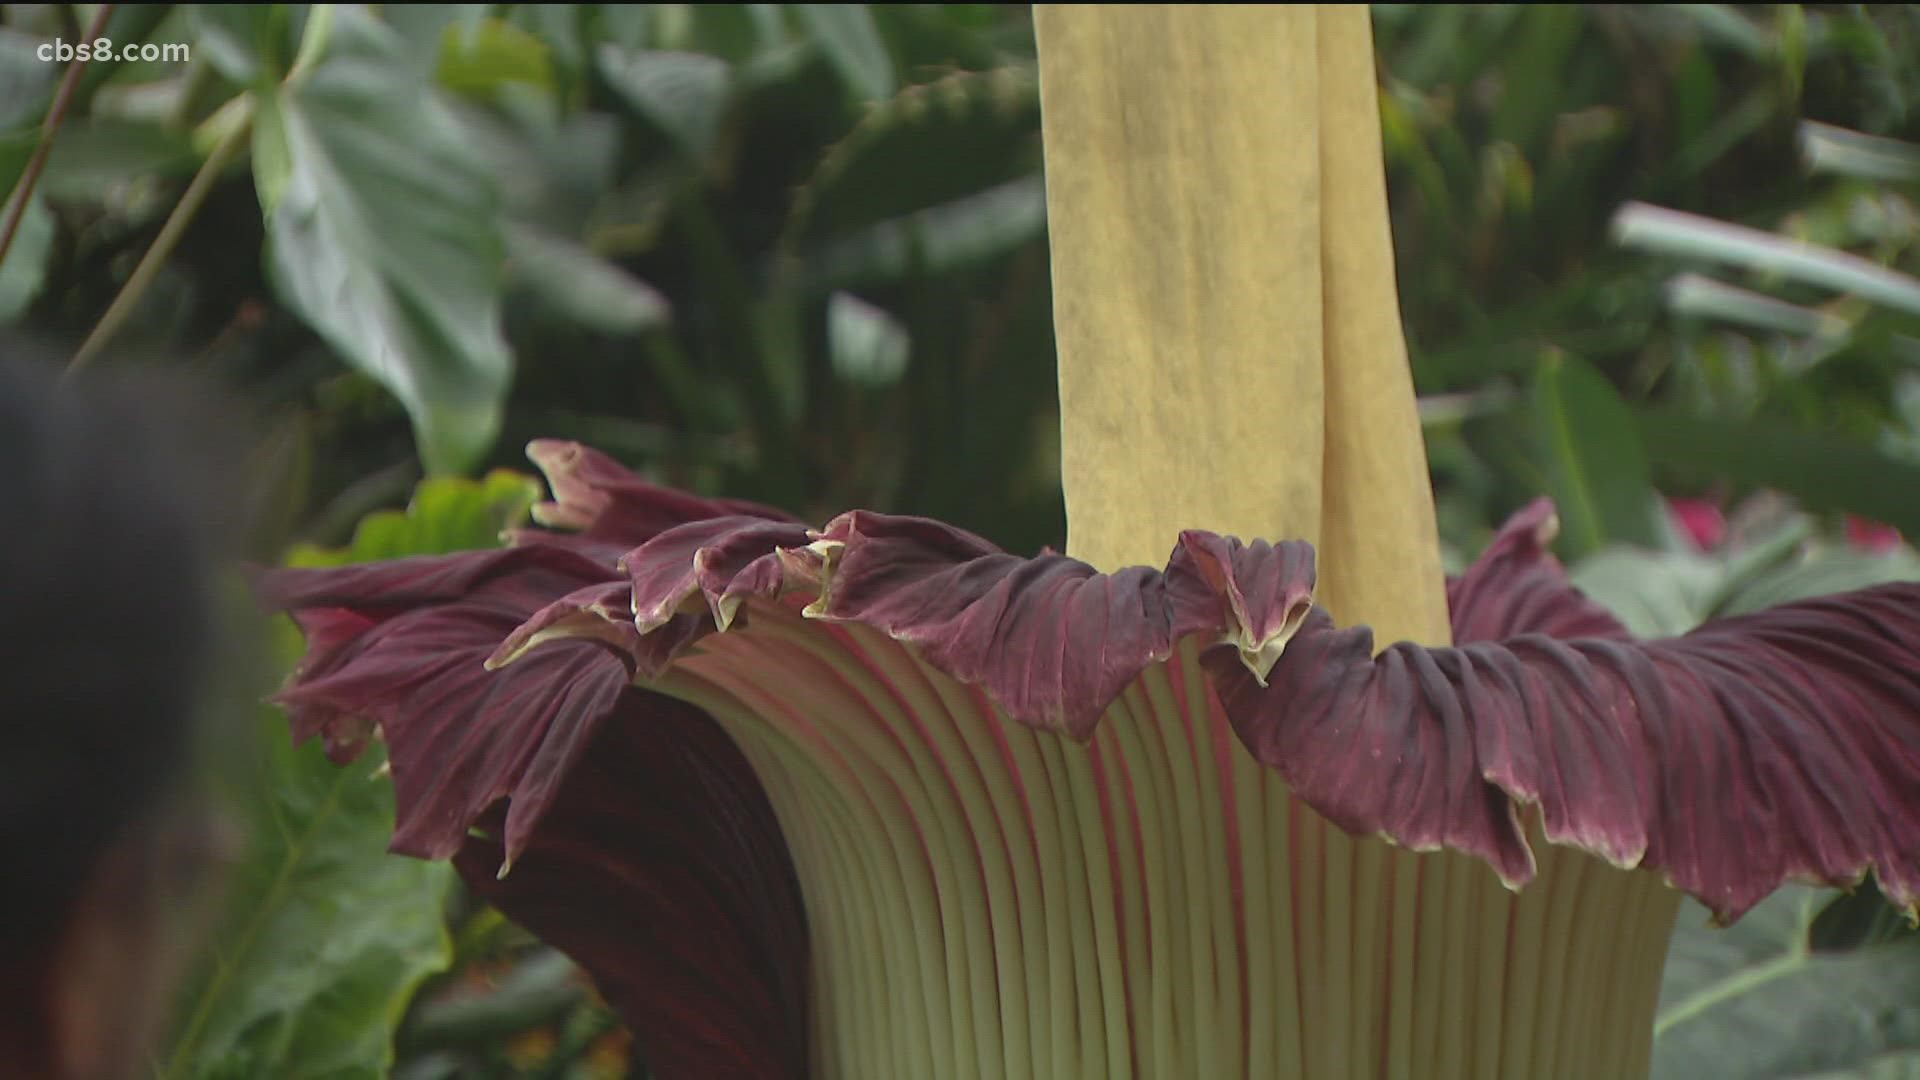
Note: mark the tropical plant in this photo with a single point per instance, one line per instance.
(797, 253)
(878, 705)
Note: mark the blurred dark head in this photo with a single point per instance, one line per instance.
(107, 635)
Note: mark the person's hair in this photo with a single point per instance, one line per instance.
(107, 627)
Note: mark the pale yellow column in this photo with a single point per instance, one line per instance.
(1229, 339)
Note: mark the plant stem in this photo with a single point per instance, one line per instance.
(170, 232)
(56, 114)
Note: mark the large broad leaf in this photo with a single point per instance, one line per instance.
(327, 935)
(1755, 1001)
(1596, 471)
(384, 235)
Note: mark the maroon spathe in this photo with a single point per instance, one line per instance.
(1778, 746)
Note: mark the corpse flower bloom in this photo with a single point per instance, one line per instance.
(877, 799)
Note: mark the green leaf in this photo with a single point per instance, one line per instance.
(1754, 1000)
(447, 514)
(1724, 26)
(585, 287)
(558, 27)
(847, 34)
(1826, 148)
(1702, 297)
(1671, 232)
(1823, 472)
(928, 146)
(26, 81)
(480, 58)
(1548, 37)
(683, 95)
(1860, 918)
(939, 240)
(386, 236)
(248, 43)
(94, 157)
(1653, 594)
(327, 936)
(539, 991)
(1594, 467)
(429, 28)
(870, 347)
(25, 268)
(16, 147)
(1821, 574)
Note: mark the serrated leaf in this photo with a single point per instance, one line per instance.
(1593, 464)
(927, 146)
(847, 34)
(587, 288)
(684, 95)
(386, 236)
(1755, 1001)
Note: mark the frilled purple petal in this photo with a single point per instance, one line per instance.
(1517, 587)
(716, 563)
(651, 853)
(1778, 746)
(403, 645)
(596, 497)
(660, 868)
(1053, 641)
(1726, 759)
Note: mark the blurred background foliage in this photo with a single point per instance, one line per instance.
(1655, 261)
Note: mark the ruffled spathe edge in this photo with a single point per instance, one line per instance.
(1779, 746)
